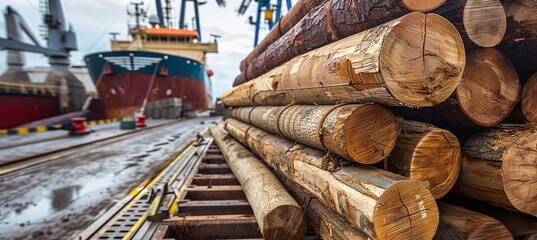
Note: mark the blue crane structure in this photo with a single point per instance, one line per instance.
(264, 7)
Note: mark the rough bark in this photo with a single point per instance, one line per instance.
(460, 223)
(486, 95)
(428, 154)
(528, 101)
(329, 22)
(499, 166)
(361, 133)
(383, 205)
(279, 216)
(326, 223)
(481, 23)
(520, 41)
(297, 12)
(388, 64)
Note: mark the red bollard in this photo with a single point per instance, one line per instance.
(79, 127)
(140, 121)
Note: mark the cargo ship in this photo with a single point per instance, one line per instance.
(155, 64)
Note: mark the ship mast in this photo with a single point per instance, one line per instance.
(137, 13)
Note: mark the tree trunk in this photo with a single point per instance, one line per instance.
(382, 204)
(329, 22)
(279, 216)
(486, 95)
(428, 154)
(529, 99)
(499, 166)
(481, 23)
(361, 133)
(520, 41)
(461, 223)
(372, 66)
(326, 223)
(295, 14)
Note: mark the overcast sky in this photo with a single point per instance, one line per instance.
(93, 20)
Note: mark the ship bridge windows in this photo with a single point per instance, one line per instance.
(165, 38)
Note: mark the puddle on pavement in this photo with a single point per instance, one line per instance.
(54, 201)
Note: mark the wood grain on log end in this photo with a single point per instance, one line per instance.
(406, 210)
(485, 22)
(520, 174)
(461, 223)
(489, 88)
(437, 161)
(422, 5)
(529, 99)
(422, 59)
(428, 154)
(499, 166)
(285, 222)
(370, 134)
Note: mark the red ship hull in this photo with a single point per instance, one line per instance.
(123, 94)
(17, 110)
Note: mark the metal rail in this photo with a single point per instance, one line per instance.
(195, 197)
(150, 202)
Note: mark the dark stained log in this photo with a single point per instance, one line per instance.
(528, 100)
(520, 41)
(499, 166)
(428, 154)
(371, 66)
(325, 221)
(328, 22)
(486, 95)
(362, 133)
(383, 205)
(460, 223)
(297, 12)
(279, 216)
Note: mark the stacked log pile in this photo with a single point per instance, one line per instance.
(376, 112)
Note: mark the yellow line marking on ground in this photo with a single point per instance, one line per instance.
(23, 131)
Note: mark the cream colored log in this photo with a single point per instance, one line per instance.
(279, 216)
(416, 60)
(363, 133)
(383, 205)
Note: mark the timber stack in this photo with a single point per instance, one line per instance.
(376, 115)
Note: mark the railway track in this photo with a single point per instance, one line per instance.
(195, 197)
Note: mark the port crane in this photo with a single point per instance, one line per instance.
(61, 38)
(267, 9)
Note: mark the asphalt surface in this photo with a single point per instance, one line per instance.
(56, 199)
(17, 147)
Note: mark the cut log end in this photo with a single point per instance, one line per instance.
(439, 170)
(374, 144)
(422, 5)
(489, 88)
(422, 59)
(460, 221)
(485, 22)
(490, 230)
(529, 99)
(520, 174)
(277, 223)
(406, 210)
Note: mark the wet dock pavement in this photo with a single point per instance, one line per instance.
(55, 199)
